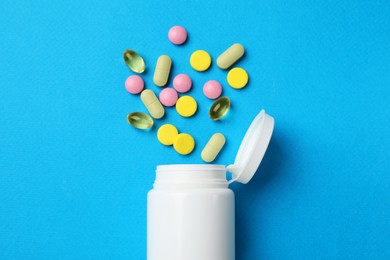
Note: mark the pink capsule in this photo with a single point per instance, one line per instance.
(212, 89)
(182, 83)
(177, 35)
(168, 97)
(134, 84)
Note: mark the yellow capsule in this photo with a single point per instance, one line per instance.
(152, 104)
(134, 61)
(213, 147)
(140, 120)
(230, 56)
(162, 70)
(219, 108)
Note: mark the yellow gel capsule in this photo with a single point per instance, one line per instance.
(200, 60)
(237, 78)
(166, 134)
(213, 147)
(219, 108)
(184, 144)
(140, 120)
(134, 61)
(162, 70)
(152, 104)
(230, 56)
(186, 106)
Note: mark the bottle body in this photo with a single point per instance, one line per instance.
(191, 216)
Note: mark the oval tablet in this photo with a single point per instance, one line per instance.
(213, 147)
(230, 56)
(162, 70)
(152, 104)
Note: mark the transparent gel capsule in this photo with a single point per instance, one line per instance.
(134, 61)
(140, 120)
(219, 108)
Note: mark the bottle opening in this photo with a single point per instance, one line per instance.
(249, 156)
(191, 176)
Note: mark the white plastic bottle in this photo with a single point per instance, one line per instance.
(191, 208)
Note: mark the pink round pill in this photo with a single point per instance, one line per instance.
(182, 83)
(212, 89)
(177, 35)
(168, 97)
(134, 84)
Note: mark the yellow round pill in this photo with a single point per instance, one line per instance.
(186, 106)
(237, 78)
(166, 134)
(184, 144)
(200, 60)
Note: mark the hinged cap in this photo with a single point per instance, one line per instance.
(252, 148)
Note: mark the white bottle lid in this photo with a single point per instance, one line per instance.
(252, 148)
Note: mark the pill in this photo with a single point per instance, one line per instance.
(186, 106)
(134, 84)
(237, 78)
(168, 97)
(152, 104)
(219, 108)
(200, 60)
(182, 83)
(184, 143)
(230, 56)
(140, 120)
(166, 134)
(177, 35)
(134, 61)
(212, 89)
(161, 72)
(213, 147)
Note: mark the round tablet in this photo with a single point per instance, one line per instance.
(186, 106)
(177, 35)
(200, 60)
(166, 134)
(134, 84)
(182, 83)
(237, 78)
(184, 144)
(168, 97)
(212, 89)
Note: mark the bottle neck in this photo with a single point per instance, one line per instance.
(190, 176)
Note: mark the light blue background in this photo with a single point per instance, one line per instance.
(74, 175)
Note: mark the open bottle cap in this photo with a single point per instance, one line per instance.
(252, 148)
